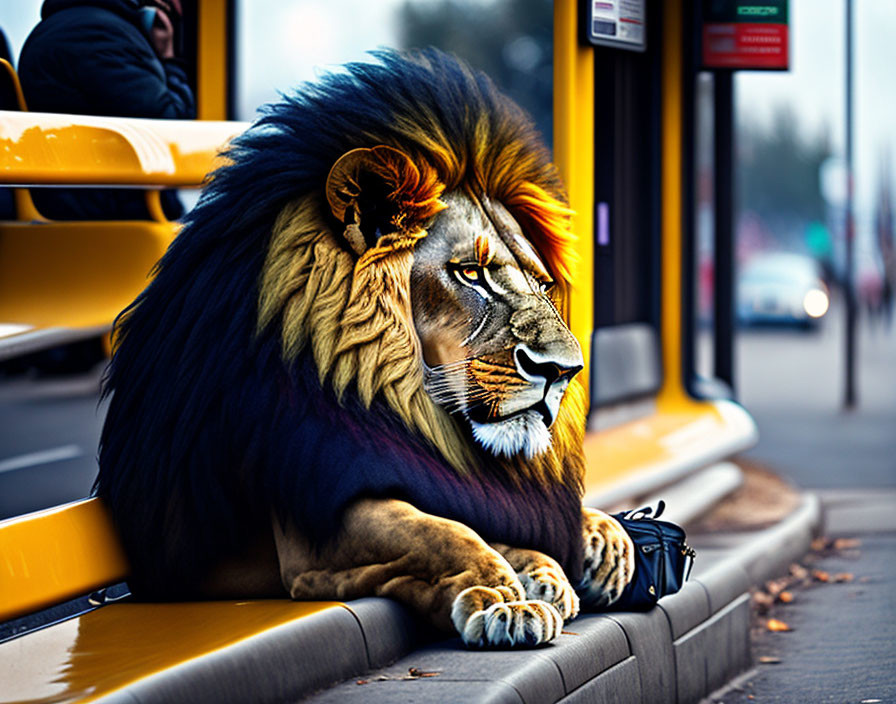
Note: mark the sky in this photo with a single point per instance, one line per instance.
(284, 42)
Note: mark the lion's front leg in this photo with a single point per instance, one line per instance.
(440, 568)
(542, 578)
(609, 559)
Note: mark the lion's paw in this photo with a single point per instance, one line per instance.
(609, 560)
(489, 617)
(550, 584)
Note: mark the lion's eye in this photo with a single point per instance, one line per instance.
(468, 274)
(546, 285)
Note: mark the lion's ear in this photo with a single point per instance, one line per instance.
(377, 190)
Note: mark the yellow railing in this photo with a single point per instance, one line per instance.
(61, 281)
(65, 150)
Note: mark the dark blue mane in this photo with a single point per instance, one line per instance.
(207, 428)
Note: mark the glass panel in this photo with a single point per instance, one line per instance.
(279, 44)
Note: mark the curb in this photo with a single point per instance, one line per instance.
(770, 551)
(691, 645)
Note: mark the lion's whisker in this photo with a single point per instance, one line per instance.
(447, 366)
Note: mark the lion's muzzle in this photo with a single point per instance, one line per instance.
(549, 375)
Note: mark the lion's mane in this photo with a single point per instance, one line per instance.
(264, 367)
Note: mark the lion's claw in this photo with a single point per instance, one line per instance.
(485, 620)
(550, 585)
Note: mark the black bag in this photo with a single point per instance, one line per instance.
(663, 559)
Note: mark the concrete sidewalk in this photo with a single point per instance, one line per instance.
(691, 645)
(843, 644)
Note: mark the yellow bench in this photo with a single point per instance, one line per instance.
(60, 281)
(216, 651)
(645, 435)
(679, 437)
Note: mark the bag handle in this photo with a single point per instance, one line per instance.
(689, 555)
(637, 514)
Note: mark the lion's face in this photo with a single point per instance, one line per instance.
(495, 348)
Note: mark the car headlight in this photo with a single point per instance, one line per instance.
(815, 303)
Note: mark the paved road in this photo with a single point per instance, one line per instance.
(842, 648)
(49, 433)
(792, 384)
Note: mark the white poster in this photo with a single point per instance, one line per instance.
(618, 23)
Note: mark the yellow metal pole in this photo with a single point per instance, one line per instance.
(574, 156)
(673, 383)
(211, 72)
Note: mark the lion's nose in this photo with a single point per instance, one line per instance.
(534, 366)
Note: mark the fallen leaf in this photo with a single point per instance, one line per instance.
(568, 633)
(844, 577)
(363, 682)
(821, 576)
(799, 571)
(763, 600)
(846, 543)
(785, 597)
(776, 586)
(819, 544)
(774, 624)
(414, 672)
(769, 660)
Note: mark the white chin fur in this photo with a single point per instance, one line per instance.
(523, 434)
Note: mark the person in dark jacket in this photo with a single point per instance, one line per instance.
(105, 57)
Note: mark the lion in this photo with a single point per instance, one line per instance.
(350, 377)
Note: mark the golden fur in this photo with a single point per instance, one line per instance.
(356, 317)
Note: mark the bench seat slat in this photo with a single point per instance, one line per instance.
(677, 437)
(54, 555)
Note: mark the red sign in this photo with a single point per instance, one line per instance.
(745, 45)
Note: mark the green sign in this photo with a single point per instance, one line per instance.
(772, 11)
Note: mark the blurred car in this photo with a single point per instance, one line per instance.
(781, 289)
